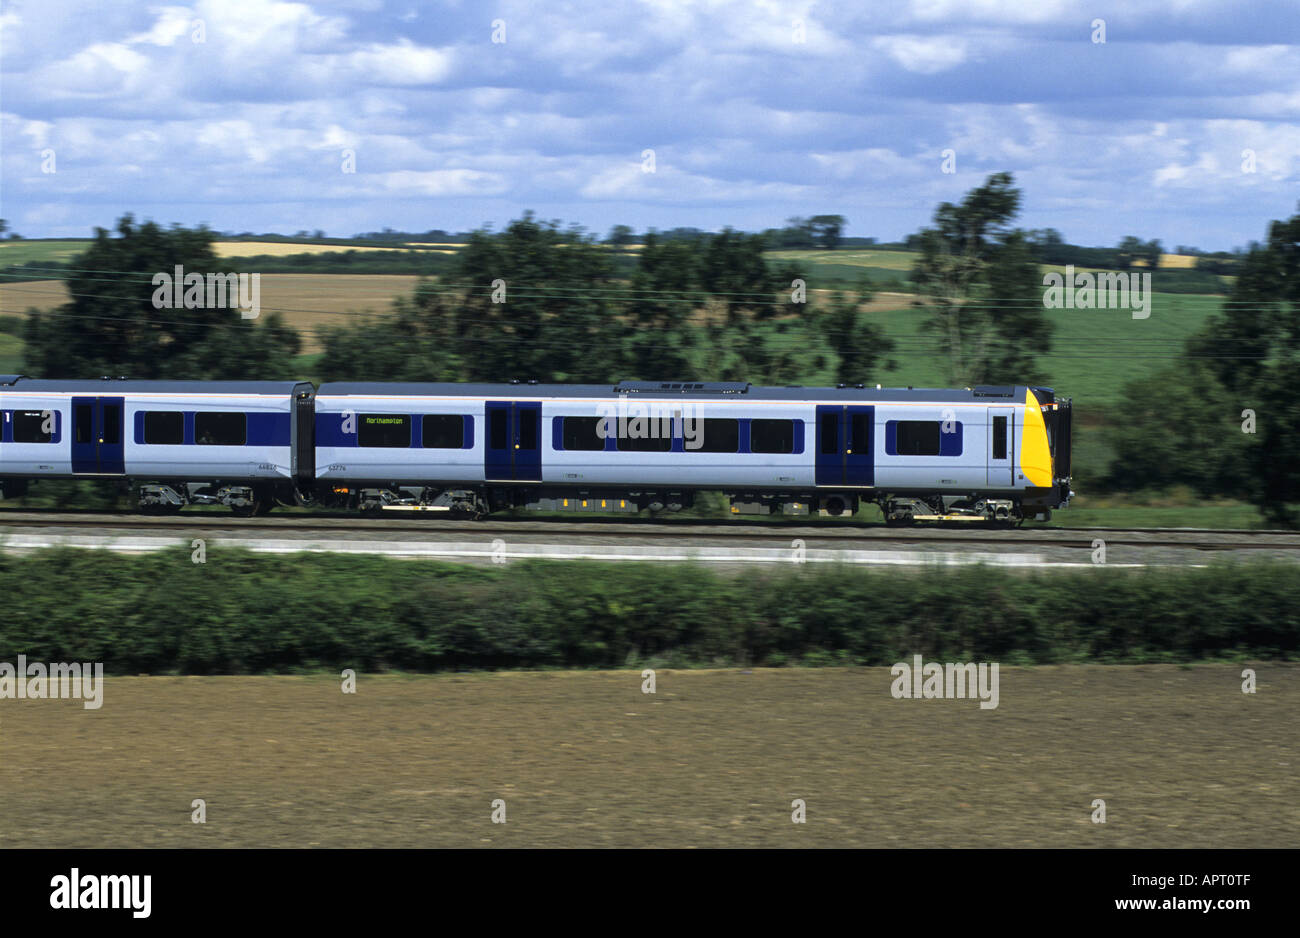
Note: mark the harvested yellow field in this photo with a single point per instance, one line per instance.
(308, 302)
(282, 249)
(17, 298)
(1171, 262)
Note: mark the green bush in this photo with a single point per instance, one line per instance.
(243, 613)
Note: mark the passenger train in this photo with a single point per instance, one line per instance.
(997, 454)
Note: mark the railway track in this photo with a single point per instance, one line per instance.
(824, 534)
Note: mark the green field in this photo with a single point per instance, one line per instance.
(1094, 351)
(897, 261)
(26, 252)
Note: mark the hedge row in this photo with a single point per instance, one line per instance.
(241, 613)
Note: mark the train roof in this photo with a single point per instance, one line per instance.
(738, 390)
(687, 389)
(102, 386)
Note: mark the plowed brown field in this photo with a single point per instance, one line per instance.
(1181, 757)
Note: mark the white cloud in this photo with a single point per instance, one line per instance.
(926, 55)
(103, 69)
(870, 163)
(991, 11)
(402, 63)
(748, 125)
(442, 182)
(173, 23)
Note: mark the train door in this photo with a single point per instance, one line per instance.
(1002, 437)
(844, 450)
(97, 435)
(513, 450)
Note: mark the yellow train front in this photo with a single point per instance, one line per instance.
(1019, 436)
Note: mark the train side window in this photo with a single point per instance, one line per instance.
(582, 433)
(717, 435)
(29, 426)
(830, 434)
(389, 430)
(165, 427)
(217, 429)
(443, 431)
(84, 422)
(499, 429)
(777, 436)
(917, 438)
(646, 444)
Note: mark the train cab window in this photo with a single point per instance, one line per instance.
(83, 422)
(218, 429)
(389, 430)
(917, 438)
(443, 431)
(164, 426)
(716, 435)
(499, 429)
(999, 437)
(777, 436)
(33, 426)
(582, 433)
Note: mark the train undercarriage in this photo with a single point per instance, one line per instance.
(476, 502)
(244, 500)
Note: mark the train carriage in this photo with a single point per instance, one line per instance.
(237, 443)
(984, 453)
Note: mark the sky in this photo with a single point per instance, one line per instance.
(355, 115)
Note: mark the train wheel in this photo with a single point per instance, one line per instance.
(256, 508)
(262, 502)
